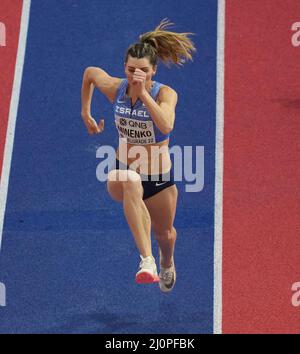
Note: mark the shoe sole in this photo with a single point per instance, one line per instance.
(146, 278)
(163, 287)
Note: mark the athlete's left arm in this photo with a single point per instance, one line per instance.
(163, 111)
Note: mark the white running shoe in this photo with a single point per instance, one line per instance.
(148, 271)
(167, 277)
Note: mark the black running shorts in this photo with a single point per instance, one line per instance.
(152, 184)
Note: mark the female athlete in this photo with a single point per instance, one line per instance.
(142, 178)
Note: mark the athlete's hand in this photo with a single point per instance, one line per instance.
(92, 126)
(139, 82)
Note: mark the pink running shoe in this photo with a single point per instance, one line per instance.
(148, 271)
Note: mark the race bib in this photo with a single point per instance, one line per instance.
(135, 131)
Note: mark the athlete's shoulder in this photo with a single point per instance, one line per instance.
(117, 82)
(167, 89)
(166, 92)
(120, 83)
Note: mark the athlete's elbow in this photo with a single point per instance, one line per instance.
(87, 74)
(167, 129)
(90, 72)
(169, 125)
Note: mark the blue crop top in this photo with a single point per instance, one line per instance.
(134, 124)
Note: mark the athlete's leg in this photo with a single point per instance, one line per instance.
(162, 209)
(125, 186)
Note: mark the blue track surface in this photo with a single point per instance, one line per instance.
(68, 259)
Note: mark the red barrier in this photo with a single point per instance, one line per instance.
(261, 220)
(10, 16)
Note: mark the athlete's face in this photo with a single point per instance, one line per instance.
(142, 64)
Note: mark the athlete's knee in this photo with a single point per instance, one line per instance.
(124, 182)
(133, 185)
(165, 234)
(116, 176)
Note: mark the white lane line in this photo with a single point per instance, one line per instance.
(219, 170)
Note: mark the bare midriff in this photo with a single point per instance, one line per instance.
(152, 159)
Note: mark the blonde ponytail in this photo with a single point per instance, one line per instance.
(170, 47)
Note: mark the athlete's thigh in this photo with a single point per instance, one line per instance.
(116, 180)
(162, 208)
(114, 185)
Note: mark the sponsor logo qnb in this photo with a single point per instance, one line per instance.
(123, 122)
(2, 35)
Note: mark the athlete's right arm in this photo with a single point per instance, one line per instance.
(108, 85)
